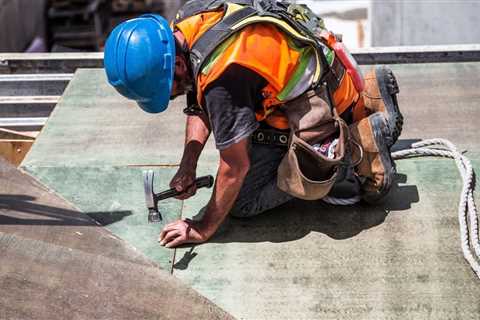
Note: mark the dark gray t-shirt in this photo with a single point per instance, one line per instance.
(230, 102)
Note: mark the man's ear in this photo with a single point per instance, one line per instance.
(179, 65)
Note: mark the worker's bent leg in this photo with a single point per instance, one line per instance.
(259, 192)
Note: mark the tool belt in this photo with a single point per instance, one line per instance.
(304, 172)
(277, 137)
(270, 137)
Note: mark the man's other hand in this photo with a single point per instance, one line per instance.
(184, 182)
(180, 232)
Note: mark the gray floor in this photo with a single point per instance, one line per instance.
(304, 260)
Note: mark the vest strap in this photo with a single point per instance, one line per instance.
(264, 10)
(215, 36)
(334, 75)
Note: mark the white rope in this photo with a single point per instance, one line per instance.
(467, 211)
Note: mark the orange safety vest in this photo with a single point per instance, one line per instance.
(262, 48)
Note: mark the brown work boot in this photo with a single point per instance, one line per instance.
(380, 95)
(376, 166)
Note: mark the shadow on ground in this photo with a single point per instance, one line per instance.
(298, 218)
(26, 211)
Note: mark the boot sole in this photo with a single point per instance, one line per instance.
(389, 89)
(381, 135)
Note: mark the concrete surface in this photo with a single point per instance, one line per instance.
(57, 263)
(305, 260)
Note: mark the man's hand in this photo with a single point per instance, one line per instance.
(180, 232)
(184, 181)
(196, 135)
(234, 166)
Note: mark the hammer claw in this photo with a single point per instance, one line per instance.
(151, 198)
(153, 214)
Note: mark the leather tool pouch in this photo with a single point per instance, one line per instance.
(305, 173)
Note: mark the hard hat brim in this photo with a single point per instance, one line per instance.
(156, 105)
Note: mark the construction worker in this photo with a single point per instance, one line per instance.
(240, 85)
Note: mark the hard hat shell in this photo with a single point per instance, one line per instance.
(139, 61)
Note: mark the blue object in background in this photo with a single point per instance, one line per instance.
(139, 61)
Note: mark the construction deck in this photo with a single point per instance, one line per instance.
(304, 260)
(58, 263)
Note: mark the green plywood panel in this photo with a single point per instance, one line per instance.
(57, 263)
(114, 197)
(94, 125)
(91, 152)
(309, 260)
(399, 260)
(305, 259)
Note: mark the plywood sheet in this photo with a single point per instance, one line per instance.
(58, 263)
(400, 260)
(304, 260)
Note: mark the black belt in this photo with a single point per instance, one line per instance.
(270, 137)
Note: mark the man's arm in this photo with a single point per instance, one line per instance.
(196, 135)
(233, 167)
(230, 102)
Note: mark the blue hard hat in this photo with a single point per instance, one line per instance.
(139, 61)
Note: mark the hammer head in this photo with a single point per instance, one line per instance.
(153, 213)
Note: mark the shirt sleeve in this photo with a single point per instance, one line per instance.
(230, 103)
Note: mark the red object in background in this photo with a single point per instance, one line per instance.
(350, 64)
(346, 58)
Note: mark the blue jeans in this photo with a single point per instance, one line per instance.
(259, 192)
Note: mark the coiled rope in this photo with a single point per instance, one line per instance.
(467, 211)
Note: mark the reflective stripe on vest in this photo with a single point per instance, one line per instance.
(261, 44)
(260, 47)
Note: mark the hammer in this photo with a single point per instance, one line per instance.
(152, 198)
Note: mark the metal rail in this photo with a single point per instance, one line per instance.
(23, 124)
(36, 77)
(418, 54)
(11, 63)
(35, 80)
(34, 84)
(12, 122)
(29, 100)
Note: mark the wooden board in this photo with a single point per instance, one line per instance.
(16, 135)
(14, 151)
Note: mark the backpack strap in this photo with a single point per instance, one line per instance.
(194, 7)
(231, 24)
(211, 39)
